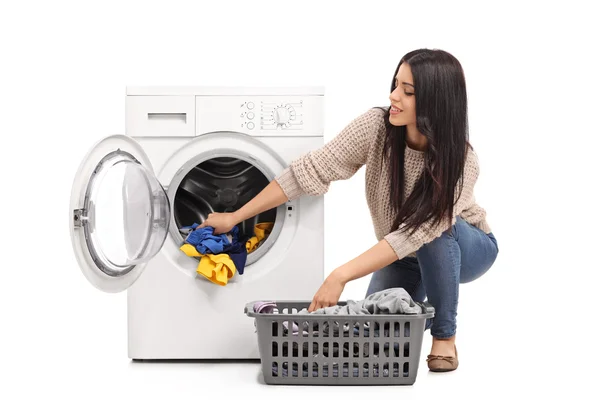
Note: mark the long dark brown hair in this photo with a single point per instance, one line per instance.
(441, 110)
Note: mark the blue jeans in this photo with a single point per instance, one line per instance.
(461, 256)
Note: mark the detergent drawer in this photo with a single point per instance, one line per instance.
(160, 115)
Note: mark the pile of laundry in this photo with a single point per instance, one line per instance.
(222, 255)
(387, 301)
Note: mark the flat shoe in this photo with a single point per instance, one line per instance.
(442, 363)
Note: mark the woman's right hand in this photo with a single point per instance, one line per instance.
(221, 222)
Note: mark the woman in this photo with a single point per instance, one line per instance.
(420, 175)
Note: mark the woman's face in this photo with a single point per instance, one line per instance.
(403, 98)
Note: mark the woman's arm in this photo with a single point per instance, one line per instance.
(271, 196)
(370, 261)
(339, 159)
(310, 174)
(395, 245)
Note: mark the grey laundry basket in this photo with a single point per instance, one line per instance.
(381, 349)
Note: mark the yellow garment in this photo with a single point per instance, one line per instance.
(251, 244)
(260, 231)
(217, 268)
(190, 250)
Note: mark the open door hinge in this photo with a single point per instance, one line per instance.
(79, 217)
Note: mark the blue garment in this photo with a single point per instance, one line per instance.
(205, 241)
(238, 254)
(461, 256)
(237, 250)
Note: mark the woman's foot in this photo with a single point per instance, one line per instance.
(443, 356)
(443, 347)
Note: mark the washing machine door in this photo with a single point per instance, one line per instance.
(119, 213)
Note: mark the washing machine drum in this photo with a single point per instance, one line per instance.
(222, 184)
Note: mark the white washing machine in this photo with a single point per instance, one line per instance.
(189, 151)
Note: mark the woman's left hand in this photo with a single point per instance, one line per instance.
(328, 294)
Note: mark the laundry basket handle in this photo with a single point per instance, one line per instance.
(427, 307)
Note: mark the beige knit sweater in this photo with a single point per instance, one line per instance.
(362, 143)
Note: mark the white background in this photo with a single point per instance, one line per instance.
(527, 327)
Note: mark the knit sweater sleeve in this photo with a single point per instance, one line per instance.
(404, 243)
(338, 159)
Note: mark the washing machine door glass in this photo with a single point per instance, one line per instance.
(127, 214)
(123, 219)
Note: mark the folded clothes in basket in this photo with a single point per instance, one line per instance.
(334, 370)
(387, 301)
(266, 307)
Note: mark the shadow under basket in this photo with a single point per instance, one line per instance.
(317, 349)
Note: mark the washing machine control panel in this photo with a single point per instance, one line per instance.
(270, 115)
(260, 115)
